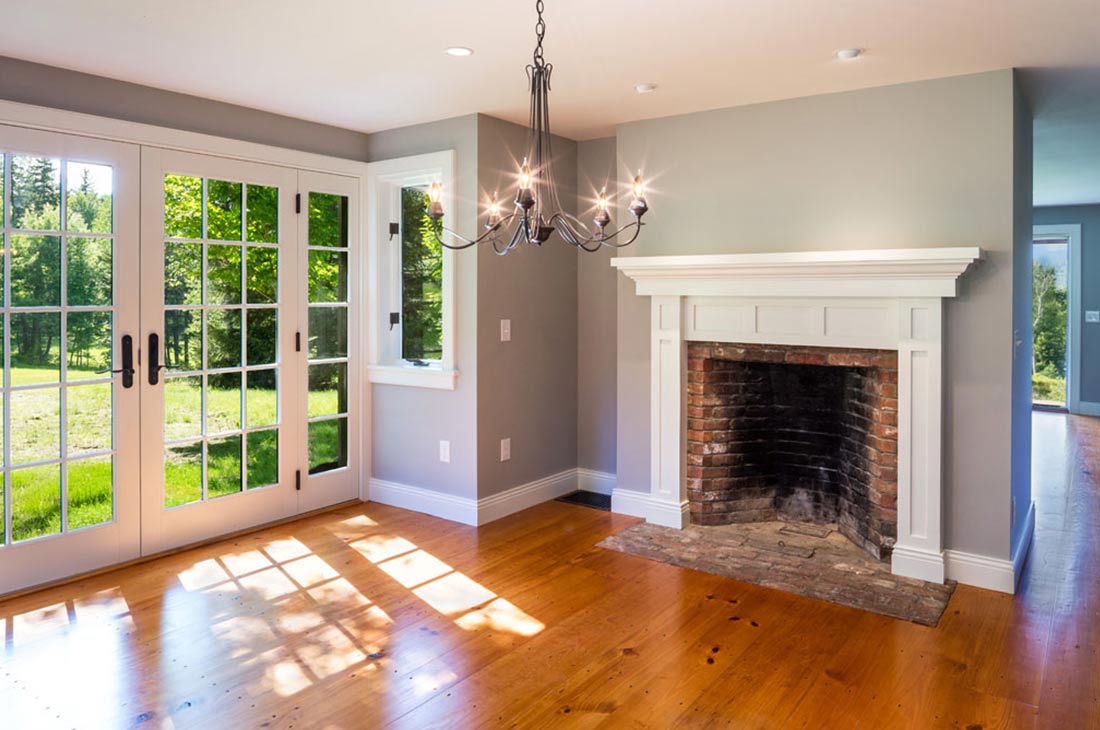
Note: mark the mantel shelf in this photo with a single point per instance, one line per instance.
(899, 272)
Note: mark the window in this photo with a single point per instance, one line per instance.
(412, 290)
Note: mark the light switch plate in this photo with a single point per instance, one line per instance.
(505, 449)
(445, 451)
(505, 330)
(1092, 316)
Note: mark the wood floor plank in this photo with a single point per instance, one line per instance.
(373, 617)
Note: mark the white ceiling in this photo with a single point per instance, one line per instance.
(375, 64)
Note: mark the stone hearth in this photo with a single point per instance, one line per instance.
(797, 433)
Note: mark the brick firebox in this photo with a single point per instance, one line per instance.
(800, 433)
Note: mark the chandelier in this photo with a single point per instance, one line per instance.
(538, 212)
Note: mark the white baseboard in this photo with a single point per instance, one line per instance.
(418, 499)
(655, 511)
(996, 574)
(526, 495)
(1088, 408)
(481, 511)
(915, 563)
(600, 482)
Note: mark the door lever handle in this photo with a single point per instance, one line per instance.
(154, 359)
(127, 368)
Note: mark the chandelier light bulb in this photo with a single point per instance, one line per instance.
(639, 191)
(435, 208)
(638, 206)
(494, 212)
(525, 176)
(602, 216)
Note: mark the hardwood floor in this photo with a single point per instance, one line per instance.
(372, 617)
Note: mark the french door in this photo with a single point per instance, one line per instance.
(179, 341)
(70, 399)
(246, 394)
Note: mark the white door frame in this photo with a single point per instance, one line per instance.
(53, 557)
(1072, 233)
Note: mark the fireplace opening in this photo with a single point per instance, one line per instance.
(794, 433)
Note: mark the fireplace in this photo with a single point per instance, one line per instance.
(842, 305)
(794, 433)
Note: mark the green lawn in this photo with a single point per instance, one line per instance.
(1047, 389)
(35, 435)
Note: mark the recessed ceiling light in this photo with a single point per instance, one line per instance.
(645, 88)
(848, 54)
(460, 51)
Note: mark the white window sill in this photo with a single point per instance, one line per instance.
(431, 376)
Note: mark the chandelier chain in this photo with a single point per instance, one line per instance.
(540, 33)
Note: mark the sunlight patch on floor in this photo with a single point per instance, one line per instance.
(296, 640)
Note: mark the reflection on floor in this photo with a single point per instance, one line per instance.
(373, 617)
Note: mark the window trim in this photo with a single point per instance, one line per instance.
(384, 182)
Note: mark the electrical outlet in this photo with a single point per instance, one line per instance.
(445, 451)
(505, 449)
(1092, 316)
(505, 330)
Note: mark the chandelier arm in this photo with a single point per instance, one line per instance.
(489, 235)
(566, 222)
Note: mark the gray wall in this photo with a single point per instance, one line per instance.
(33, 83)
(1022, 136)
(408, 423)
(1088, 217)
(527, 388)
(914, 165)
(596, 313)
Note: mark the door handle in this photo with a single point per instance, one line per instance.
(127, 368)
(154, 358)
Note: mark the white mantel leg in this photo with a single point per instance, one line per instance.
(668, 492)
(918, 552)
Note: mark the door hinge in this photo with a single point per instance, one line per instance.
(395, 229)
(297, 342)
(298, 480)
(297, 202)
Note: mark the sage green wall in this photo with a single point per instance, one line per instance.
(924, 164)
(34, 83)
(596, 313)
(408, 423)
(527, 388)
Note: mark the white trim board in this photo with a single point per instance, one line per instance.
(487, 509)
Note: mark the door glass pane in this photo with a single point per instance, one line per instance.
(223, 210)
(263, 214)
(221, 322)
(328, 220)
(35, 271)
(35, 347)
(35, 193)
(84, 409)
(224, 470)
(90, 198)
(35, 501)
(58, 251)
(263, 458)
(90, 493)
(88, 339)
(90, 272)
(327, 332)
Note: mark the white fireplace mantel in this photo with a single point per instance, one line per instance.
(881, 299)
